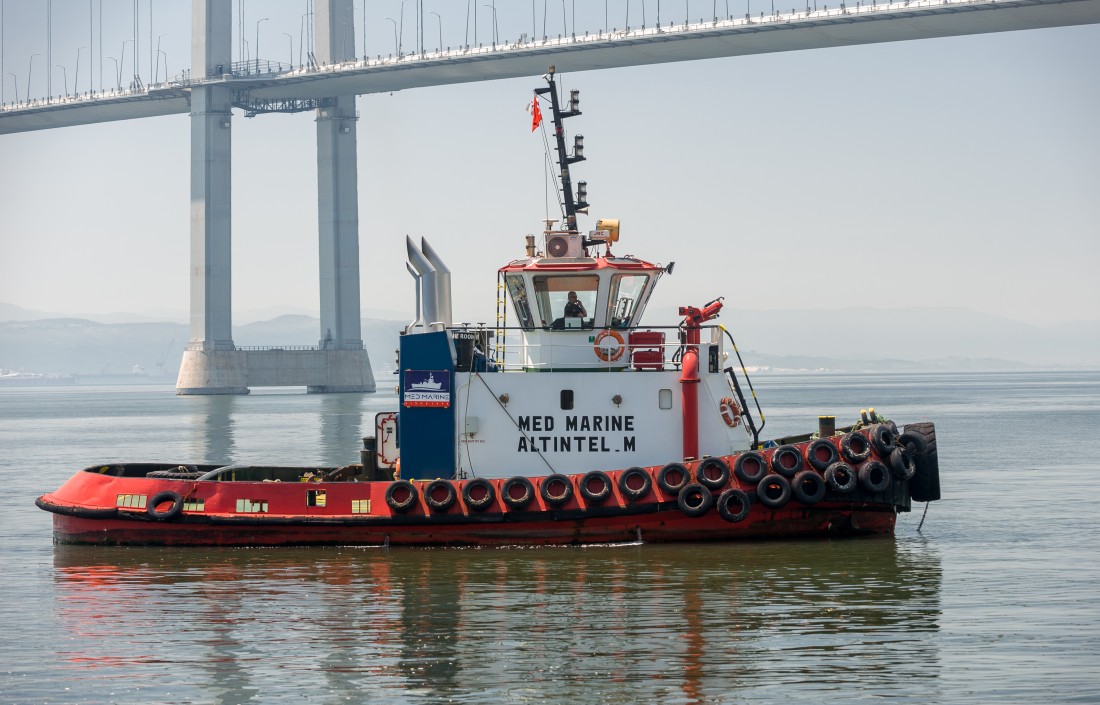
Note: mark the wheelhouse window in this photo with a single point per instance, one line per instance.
(517, 290)
(623, 301)
(566, 301)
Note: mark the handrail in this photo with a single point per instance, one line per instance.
(509, 350)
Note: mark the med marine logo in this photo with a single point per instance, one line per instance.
(427, 388)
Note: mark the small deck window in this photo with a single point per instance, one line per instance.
(194, 504)
(315, 498)
(517, 290)
(252, 506)
(626, 292)
(360, 506)
(132, 501)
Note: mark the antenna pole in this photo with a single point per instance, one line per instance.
(564, 160)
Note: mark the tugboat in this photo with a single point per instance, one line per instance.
(567, 421)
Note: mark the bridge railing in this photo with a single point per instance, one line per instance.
(265, 69)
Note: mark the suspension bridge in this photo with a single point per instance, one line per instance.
(215, 86)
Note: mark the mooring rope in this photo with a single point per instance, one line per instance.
(922, 516)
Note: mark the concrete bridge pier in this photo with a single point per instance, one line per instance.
(212, 364)
(341, 340)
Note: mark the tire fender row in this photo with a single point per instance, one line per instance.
(868, 459)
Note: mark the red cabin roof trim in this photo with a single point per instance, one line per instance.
(588, 264)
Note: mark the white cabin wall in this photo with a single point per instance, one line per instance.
(648, 436)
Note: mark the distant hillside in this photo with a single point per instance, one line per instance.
(72, 346)
(921, 335)
(850, 339)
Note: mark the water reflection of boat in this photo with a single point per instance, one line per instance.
(673, 621)
(540, 432)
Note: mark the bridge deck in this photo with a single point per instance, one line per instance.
(840, 26)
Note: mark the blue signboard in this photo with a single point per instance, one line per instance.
(427, 388)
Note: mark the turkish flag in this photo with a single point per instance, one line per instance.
(536, 114)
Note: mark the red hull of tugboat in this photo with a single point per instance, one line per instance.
(666, 526)
(98, 507)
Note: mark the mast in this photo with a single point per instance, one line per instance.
(578, 204)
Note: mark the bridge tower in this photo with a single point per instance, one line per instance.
(212, 364)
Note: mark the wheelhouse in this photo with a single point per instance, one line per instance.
(575, 312)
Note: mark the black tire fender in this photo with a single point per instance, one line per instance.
(401, 496)
(883, 438)
(787, 461)
(734, 505)
(821, 453)
(174, 474)
(667, 478)
(902, 464)
(694, 500)
(874, 477)
(925, 485)
(437, 502)
(840, 477)
(595, 487)
(556, 490)
(635, 483)
(478, 494)
(160, 498)
(773, 491)
(517, 501)
(712, 473)
(912, 442)
(750, 467)
(808, 487)
(855, 447)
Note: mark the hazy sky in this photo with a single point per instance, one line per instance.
(944, 172)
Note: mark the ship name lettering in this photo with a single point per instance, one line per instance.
(536, 423)
(573, 444)
(599, 423)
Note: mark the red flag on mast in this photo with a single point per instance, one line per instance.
(536, 114)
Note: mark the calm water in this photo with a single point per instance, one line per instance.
(996, 599)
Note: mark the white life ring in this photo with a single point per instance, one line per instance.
(731, 412)
(609, 352)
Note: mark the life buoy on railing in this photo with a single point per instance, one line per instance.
(610, 351)
(731, 412)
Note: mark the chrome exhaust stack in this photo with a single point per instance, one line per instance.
(433, 292)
